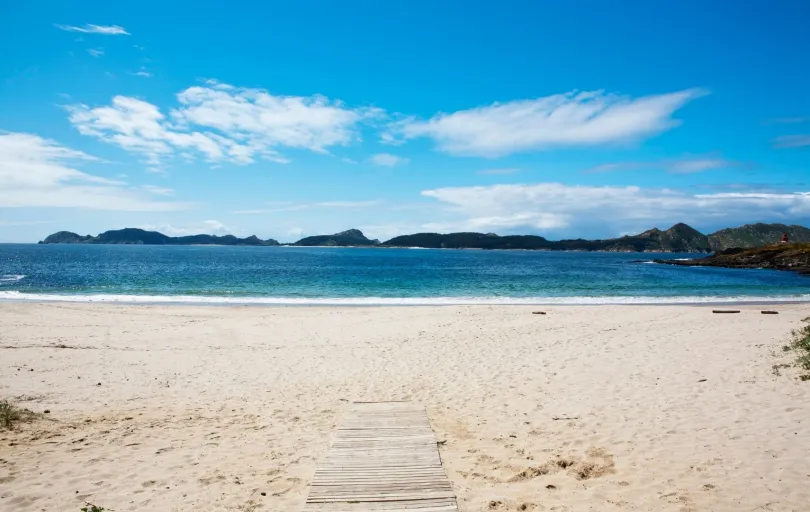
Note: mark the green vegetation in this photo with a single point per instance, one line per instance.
(92, 508)
(756, 235)
(801, 345)
(351, 237)
(10, 415)
(678, 238)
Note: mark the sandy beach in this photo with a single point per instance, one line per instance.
(592, 408)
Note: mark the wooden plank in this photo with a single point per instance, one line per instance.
(432, 505)
(383, 457)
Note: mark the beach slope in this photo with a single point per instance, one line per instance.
(591, 408)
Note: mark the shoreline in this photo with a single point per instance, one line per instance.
(372, 302)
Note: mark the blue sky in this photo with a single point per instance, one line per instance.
(285, 119)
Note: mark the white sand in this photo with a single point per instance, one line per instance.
(205, 408)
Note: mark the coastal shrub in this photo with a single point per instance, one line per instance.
(91, 508)
(10, 415)
(801, 345)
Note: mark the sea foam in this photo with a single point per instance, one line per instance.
(392, 301)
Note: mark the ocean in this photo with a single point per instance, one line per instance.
(358, 276)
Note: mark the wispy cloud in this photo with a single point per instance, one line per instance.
(142, 72)
(251, 212)
(787, 120)
(346, 204)
(36, 172)
(561, 120)
(14, 223)
(792, 141)
(95, 52)
(207, 227)
(550, 206)
(388, 160)
(284, 206)
(158, 191)
(687, 165)
(223, 123)
(498, 172)
(109, 30)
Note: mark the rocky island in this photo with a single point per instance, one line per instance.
(348, 238)
(786, 256)
(134, 236)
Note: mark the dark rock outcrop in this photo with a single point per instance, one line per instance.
(794, 257)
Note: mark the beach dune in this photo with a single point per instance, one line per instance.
(586, 408)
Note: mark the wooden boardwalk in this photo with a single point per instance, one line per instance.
(383, 458)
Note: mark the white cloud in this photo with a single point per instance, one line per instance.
(285, 206)
(35, 172)
(251, 212)
(223, 123)
(792, 141)
(561, 120)
(390, 139)
(498, 172)
(15, 223)
(699, 165)
(143, 73)
(387, 160)
(549, 206)
(95, 52)
(158, 191)
(296, 233)
(347, 204)
(675, 166)
(208, 227)
(109, 30)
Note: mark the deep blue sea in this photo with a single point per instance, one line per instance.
(300, 275)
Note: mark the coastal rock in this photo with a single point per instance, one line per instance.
(794, 257)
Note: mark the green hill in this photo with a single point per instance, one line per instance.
(678, 238)
(66, 237)
(348, 238)
(756, 235)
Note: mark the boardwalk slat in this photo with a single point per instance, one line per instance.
(384, 457)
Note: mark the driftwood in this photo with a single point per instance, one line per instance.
(725, 311)
(538, 312)
(770, 312)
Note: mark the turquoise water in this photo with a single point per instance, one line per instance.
(301, 275)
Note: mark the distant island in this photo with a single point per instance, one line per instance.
(349, 238)
(134, 236)
(679, 238)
